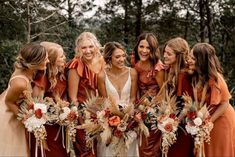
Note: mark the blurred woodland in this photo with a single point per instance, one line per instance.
(61, 21)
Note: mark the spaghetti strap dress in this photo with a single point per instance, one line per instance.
(122, 100)
(12, 131)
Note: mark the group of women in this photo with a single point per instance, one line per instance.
(41, 68)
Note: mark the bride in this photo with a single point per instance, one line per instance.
(119, 82)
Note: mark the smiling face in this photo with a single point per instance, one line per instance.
(191, 63)
(169, 56)
(118, 58)
(144, 50)
(87, 49)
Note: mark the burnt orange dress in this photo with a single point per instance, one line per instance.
(150, 147)
(184, 145)
(222, 143)
(87, 84)
(54, 140)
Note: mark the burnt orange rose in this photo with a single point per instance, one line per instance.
(168, 127)
(38, 113)
(71, 116)
(114, 121)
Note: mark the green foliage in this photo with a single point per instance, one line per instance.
(8, 52)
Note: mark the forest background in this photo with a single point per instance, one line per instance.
(61, 21)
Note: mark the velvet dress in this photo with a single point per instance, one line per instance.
(184, 145)
(55, 136)
(87, 83)
(150, 146)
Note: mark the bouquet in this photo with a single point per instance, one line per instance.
(198, 122)
(68, 117)
(33, 115)
(117, 126)
(166, 120)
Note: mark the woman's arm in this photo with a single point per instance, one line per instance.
(220, 110)
(38, 92)
(134, 79)
(17, 86)
(101, 84)
(160, 78)
(73, 82)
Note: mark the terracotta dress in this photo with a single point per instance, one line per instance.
(88, 83)
(222, 143)
(150, 147)
(184, 145)
(55, 136)
(12, 131)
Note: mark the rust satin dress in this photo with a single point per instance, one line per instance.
(184, 145)
(150, 146)
(55, 146)
(87, 83)
(222, 143)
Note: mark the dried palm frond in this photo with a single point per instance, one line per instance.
(113, 107)
(129, 109)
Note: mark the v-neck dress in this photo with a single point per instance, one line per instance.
(122, 99)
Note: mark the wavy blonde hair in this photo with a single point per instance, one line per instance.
(53, 72)
(181, 49)
(87, 36)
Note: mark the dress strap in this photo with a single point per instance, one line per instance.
(19, 76)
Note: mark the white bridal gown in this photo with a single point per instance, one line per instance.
(123, 99)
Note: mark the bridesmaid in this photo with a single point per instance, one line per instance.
(150, 79)
(52, 84)
(31, 57)
(206, 70)
(176, 51)
(82, 80)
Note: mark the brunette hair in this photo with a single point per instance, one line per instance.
(109, 49)
(30, 56)
(154, 47)
(206, 62)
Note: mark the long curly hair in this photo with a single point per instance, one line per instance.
(53, 72)
(181, 48)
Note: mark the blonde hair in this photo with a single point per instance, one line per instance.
(87, 36)
(52, 69)
(30, 56)
(181, 49)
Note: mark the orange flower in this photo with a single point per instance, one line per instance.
(71, 116)
(114, 121)
(38, 113)
(168, 127)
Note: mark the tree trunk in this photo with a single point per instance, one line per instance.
(202, 20)
(138, 18)
(28, 22)
(209, 21)
(186, 25)
(126, 22)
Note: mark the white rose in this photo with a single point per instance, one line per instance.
(193, 130)
(197, 121)
(41, 106)
(32, 122)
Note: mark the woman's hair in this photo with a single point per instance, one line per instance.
(87, 36)
(154, 47)
(206, 62)
(181, 49)
(109, 48)
(30, 56)
(53, 72)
